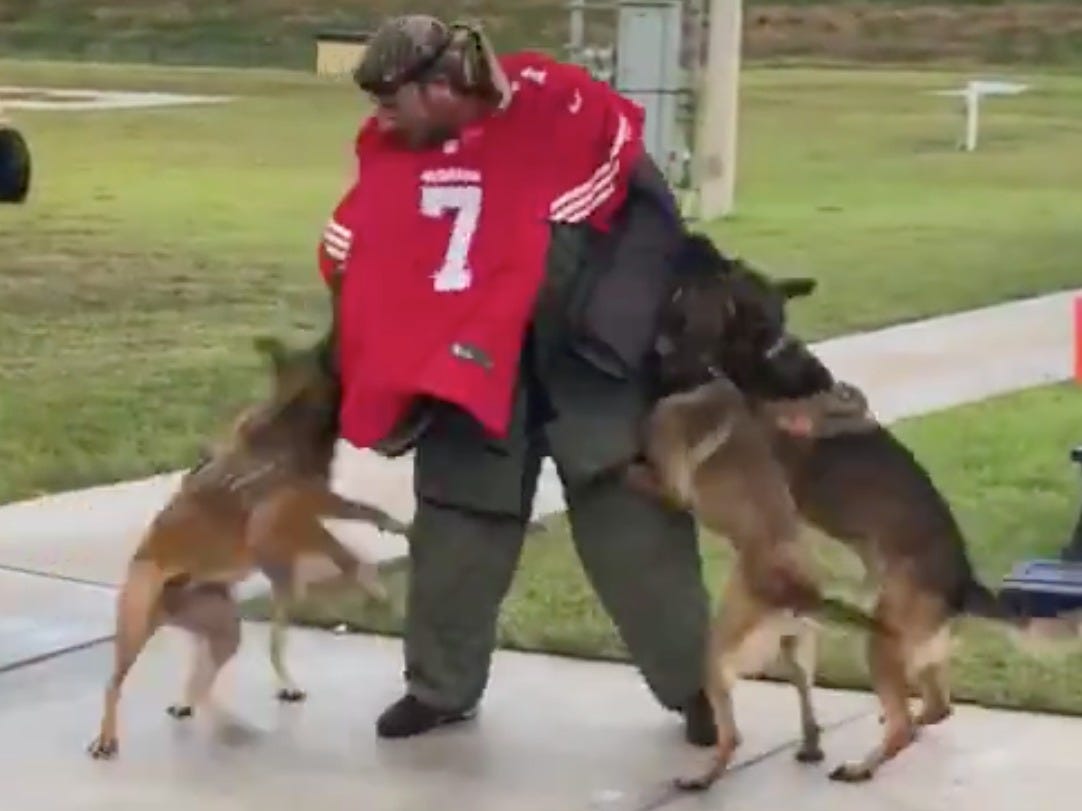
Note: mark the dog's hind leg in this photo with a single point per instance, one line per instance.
(932, 676)
(798, 654)
(888, 664)
(738, 616)
(210, 614)
(200, 677)
(138, 616)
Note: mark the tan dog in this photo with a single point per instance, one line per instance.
(708, 453)
(253, 505)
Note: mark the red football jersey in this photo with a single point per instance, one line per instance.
(443, 250)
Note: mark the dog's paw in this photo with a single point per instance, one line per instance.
(393, 526)
(103, 748)
(851, 773)
(694, 784)
(934, 715)
(180, 711)
(706, 778)
(291, 695)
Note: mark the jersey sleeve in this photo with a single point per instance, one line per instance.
(337, 238)
(597, 140)
(340, 231)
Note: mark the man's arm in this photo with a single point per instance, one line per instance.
(599, 142)
(617, 291)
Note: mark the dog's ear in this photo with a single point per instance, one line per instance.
(272, 349)
(796, 287)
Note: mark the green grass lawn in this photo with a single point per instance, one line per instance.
(248, 33)
(1002, 465)
(157, 243)
(280, 33)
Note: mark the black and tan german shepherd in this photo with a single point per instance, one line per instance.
(847, 475)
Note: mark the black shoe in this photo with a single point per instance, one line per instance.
(699, 727)
(410, 716)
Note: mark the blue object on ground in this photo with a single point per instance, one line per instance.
(1044, 588)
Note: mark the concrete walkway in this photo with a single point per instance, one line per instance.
(555, 734)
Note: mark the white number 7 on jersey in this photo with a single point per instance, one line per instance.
(465, 201)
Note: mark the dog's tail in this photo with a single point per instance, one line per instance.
(842, 612)
(981, 602)
(781, 580)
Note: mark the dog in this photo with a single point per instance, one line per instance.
(847, 475)
(706, 451)
(253, 503)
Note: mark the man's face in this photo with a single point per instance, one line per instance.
(417, 115)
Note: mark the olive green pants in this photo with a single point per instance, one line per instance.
(474, 500)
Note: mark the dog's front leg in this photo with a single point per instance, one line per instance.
(288, 691)
(888, 667)
(336, 506)
(137, 619)
(798, 654)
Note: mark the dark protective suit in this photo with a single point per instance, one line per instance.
(581, 397)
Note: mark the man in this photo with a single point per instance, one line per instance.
(14, 163)
(503, 257)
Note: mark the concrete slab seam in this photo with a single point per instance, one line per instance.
(55, 654)
(60, 577)
(668, 793)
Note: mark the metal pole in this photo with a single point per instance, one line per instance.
(577, 27)
(1073, 550)
(716, 147)
(973, 112)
